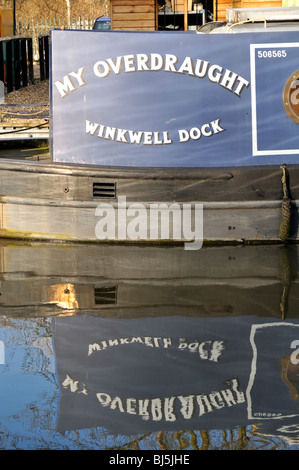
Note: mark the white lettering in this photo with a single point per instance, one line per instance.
(201, 68)
(101, 64)
(229, 80)
(135, 137)
(216, 126)
(67, 85)
(121, 135)
(206, 130)
(213, 75)
(91, 127)
(170, 62)
(242, 83)
(129, 62)
(187, 66)
(115, 66)
(79, 76)
(183, 135)
(142, 62)
(157, 62)
(127, 136)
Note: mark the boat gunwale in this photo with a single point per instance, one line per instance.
(126, 172)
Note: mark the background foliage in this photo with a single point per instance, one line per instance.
(35, 9)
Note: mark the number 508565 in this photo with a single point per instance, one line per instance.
(268, 54)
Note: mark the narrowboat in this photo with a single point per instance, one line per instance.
(157, 137)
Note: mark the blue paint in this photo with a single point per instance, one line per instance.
(111, 107)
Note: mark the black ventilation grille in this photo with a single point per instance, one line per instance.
(105, 295)
(107, 190)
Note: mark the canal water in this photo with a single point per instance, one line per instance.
(114, 347)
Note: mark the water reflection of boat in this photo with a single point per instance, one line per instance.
(160, 339)
(185, 348)
(137, 375)
(132, 281)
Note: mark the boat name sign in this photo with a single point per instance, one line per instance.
(143, 90)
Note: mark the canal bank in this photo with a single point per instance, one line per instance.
(24, 116)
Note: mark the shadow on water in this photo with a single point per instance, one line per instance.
(137, 348)
(25, 150)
